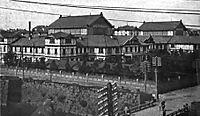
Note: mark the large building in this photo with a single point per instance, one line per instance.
(74, 36)
(170, 28)
(82, 25)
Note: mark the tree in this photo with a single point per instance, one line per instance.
(42, 63)
(10, 58)
(68, 68)
(53, 66)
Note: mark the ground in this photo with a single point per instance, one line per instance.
(174, 100)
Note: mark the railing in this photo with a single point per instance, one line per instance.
(180, 112)
(63, 76)
(139, 107)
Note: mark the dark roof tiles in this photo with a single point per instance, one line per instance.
(74, 21)
(159, 26)
(37, 41)
(102, 41)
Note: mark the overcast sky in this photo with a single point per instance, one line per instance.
(16, 19)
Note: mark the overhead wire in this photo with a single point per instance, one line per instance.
(127, 9)
(49, 13)
(31, 11)
(81, 6)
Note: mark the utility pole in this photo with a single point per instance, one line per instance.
(22, 52)
(197, 69)
(156, 80)
(156, 62)
(145, 69)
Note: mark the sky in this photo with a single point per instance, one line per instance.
(15, 19)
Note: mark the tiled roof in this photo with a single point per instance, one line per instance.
(156, 39)
(15, 34)
(185, 40)
(172, 39)
(75, 21)
(37, 41)
(102, 41)
(159, 26)
(135, 41)
(40, 29)
(59, 35)
(127, 28)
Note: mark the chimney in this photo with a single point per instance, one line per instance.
(29, 30)
(101, 14)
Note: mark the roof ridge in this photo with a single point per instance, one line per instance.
(162, 21)
(80, 16)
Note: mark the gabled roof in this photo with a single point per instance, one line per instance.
(14, 34)
(59, 35)
(127, 28)
(149, 40)
(37, 41)
(98, 41)
(134, 41)
(82, 21)
(160, 26)
(156, 39)
(185, 40)
(40, 29)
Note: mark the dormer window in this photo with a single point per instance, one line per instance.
(68, 41)
(52, 40)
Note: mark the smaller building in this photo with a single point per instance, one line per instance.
(134, 49)
(60, 45)
(169, 28)
(32, 48)
(173, 43)
(126, 31)
(7, 38)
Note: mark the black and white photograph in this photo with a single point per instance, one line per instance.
(100, 58)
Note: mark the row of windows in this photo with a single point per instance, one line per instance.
(165, 33)
(135, 49)
(2, 48)
(28, 50)
(126, 33)
(80, 51)
(72, 31)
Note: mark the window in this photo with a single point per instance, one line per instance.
(84, 50)
(4, 48)
(52, 40)
(116, 50)
(138, 48)
(36, 50)
(64, 52)
(72, 51)
(109, 50)
(25, 49)
(30, 50)
(42, 50)
(144, 48)
(80, 50)
(100, 50)
(76, 50)
(135, 48)
(172, 46)
(56, 52)
(131, 49)
(48, 51)
(91, 50)
(126, 49)
(67, 41)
